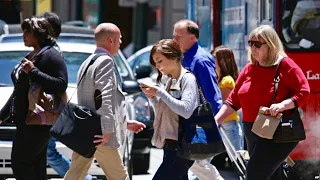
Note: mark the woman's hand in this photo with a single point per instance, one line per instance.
(276, 108)
(27, 65)
(149, 91)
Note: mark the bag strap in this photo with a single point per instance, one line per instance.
(276, 81)
(202, 97)
(93, 59)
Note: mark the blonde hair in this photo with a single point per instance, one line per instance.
(275, 47)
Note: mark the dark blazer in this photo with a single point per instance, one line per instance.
(50, 72)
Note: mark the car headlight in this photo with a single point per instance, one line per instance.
(142, 109)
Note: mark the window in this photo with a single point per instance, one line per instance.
(142, 60)
(300, 24)
(121, 66)
(73, 60)
(266, 10)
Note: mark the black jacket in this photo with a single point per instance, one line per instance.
(50, 72)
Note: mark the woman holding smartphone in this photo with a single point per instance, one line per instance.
(175, 97)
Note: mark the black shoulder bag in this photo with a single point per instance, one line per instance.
(198, 136)
(77, 125)
(290, 128)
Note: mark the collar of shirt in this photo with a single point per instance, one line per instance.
(188, 55)
(101, 49)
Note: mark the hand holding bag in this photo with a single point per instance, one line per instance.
(198, 136)
(290, 127)
(44, 109)
(265, 125)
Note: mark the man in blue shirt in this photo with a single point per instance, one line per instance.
(202, 65)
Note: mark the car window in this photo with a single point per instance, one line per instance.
(122, 68)
(65, 38)
(78, 39)
(9, 59)
(7, 62)
(142, 60)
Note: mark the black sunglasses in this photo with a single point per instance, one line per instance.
(256, 44)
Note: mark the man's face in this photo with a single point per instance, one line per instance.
(116, 42)
(183, 38)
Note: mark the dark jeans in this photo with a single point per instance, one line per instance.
(172, 166)
(265, 156)
(29, 152)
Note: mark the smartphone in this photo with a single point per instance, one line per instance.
(141, 86)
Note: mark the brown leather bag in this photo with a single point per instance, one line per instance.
(44, 109)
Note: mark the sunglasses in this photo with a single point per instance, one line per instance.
(256, 44)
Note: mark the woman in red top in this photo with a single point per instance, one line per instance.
(254, 88)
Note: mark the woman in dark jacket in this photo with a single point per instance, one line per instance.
(43, 66)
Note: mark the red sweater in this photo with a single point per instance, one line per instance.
(254, 88)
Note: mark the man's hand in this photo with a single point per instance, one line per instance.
(0, 122)
(102, 139)
(135, 126)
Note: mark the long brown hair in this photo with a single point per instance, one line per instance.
(226, 62)
(169, 49)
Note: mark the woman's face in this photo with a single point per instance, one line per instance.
(164, 65)
(29, 39)
(259, 49)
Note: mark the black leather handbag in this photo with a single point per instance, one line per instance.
(198, 136)
(290, 128)
(77, 126)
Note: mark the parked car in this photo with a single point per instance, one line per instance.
(78, 24)
(142, 106)
(140, 65)
(12, 53)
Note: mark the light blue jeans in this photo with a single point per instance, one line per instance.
(58, 162)
(234, 132)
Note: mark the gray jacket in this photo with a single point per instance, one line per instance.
(101, 76)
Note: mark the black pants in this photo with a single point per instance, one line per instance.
(265, 156)
(172, 166)
(29, 152)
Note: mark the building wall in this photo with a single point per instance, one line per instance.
(172, 11)
(66, 9)
(121, 16)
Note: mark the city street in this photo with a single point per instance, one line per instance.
(156, 159)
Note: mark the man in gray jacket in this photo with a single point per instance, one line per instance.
(101, 79)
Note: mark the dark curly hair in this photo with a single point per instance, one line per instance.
(41, 29)
(169, 49)
(54, 21)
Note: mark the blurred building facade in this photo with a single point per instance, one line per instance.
(142, 22)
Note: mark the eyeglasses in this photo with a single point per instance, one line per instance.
(256, 44)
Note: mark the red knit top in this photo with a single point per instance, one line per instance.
(254, 88)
